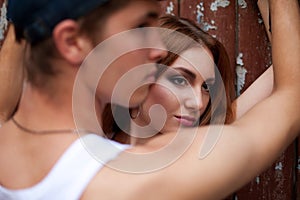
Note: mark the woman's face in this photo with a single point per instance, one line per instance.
(182, 90)
(125, 72)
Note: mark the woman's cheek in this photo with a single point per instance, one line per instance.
(164, 96)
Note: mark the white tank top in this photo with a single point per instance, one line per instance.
(70, 176)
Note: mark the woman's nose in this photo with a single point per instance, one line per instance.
(194, 101)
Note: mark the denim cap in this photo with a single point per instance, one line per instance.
(36, 19)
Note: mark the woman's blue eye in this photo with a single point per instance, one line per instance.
(179, 80)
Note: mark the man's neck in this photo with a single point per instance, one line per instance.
(42, 111)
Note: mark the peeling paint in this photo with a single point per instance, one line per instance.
(170, 9)
(200, 14)
(260, 20)
(257, 180)
(241, 73)
(3, 21)
(242, 3)
(219, 3)
(279, 166)
(241, 77)
(239, 59)
(206, 26)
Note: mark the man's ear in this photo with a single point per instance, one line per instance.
(72, 45)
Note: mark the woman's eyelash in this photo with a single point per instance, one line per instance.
(207, 86)
(179, 80)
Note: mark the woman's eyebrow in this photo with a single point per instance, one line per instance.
(186, 71)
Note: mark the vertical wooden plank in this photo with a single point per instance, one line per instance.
(170, 7)
(216, 17)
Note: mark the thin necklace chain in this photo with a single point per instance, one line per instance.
(23, 128)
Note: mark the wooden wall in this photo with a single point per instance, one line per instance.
(239, 26)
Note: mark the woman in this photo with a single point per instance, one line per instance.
(171, 90)
(209, 52)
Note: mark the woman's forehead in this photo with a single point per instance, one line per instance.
(198, 59)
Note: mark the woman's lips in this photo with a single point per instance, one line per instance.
(186, 120)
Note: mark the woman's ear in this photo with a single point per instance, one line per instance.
(72, 45)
